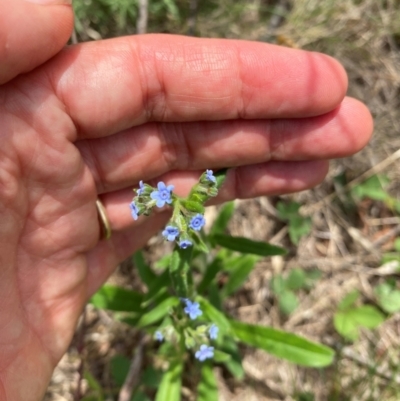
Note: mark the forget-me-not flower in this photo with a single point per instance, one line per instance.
(170, 233)
(134, 210)
(140, 191)
(184, 243)
(213, 332)
(158, 335)
(192, 309)
(197, 222)
(163, 195)
(210, 176)
(205, 352)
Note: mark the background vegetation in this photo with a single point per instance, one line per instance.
(339, 282)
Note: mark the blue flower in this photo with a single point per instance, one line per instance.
(210, 176)
(192, 309)
(213, 332)
(205, 352)
(163, 195)
(134, 210)
(140, 191)
(158, 336)
(184, 243)
(197, 222)
(170, 233)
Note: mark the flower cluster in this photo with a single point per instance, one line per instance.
(187, 218)
(148, 197)
(192, 309)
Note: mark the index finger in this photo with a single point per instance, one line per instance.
(111, 85)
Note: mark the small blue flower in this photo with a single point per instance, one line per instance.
(134, 210)
(197, 222)
(158, 336)
(192, 309)
(213, 332)
(205, 352)
(210, 176)
(170, 233)
(140, 191)
(184, 243)
(163, 195)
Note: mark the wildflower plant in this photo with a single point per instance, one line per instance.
(183, 308)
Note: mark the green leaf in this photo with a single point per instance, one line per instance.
(200, 245)
(92, 382)
(348, 322)
(207, 389)
(140, 396)
(298, 227)
(296, 279)
(287, 210)
(146, 274)
(238, 276)
(159, 286)
(245, 245)
(222, 220)
(372, 188)
(283, 345)
(288, 302)
(178, 268)
(193, 206)
(171, 382)
(158, 312)
(388, 297)
(214, 296)
(349, 300)
(117, 299)
(151, 377)
(234, 364)
(119, 369)
(220, 356)
(278, 285)
(211, 271)
(163, 262)
(214, 315)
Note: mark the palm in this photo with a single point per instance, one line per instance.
(75, 129)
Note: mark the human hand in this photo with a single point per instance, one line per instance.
(99, 117)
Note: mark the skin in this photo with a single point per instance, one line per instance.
(92, 120)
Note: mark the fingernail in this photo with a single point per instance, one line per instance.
(50, 2)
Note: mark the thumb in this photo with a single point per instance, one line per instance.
(31, 32)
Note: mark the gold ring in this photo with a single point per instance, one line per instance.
(105, 224)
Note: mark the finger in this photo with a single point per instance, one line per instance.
(153, 149)
(31, 33)
(132, 80)
(242, 182)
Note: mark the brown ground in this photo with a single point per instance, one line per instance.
(346, 246)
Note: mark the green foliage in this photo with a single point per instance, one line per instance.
(171, 382)
(283, 345)
(245, 245)
(158, 312)
(215, 268)
(298, 226)
(388, 296)
(350, 318)
(375, 188)
(284, 287)
(207, 389)
(119, 367)
(117, 299)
